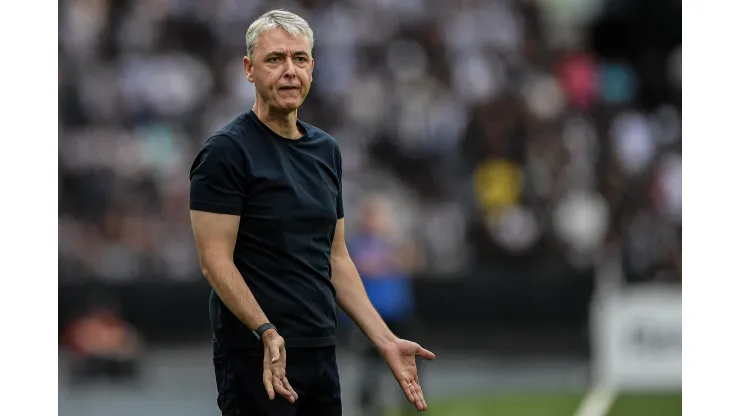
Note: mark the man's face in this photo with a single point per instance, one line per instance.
(376, 216)
(281, 69)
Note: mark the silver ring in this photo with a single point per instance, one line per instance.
(409, 385)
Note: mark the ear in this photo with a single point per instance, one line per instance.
(248, 68)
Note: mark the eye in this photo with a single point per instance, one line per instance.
(301, 59)
(272, 59)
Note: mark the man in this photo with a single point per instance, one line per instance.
(385, 265)
(268, 219)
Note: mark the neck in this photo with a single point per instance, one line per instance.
(284, 124)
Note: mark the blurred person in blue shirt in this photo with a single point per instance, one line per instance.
(385, 263)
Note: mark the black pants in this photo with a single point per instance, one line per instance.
(312, 372)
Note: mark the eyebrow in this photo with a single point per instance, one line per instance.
(281, 53)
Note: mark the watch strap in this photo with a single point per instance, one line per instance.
(261, 330)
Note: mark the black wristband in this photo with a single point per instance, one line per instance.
(261, 330)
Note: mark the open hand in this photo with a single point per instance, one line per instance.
(400, 355)
(273, 367)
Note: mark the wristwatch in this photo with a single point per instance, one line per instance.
(261, 330)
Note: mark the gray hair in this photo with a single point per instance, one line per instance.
(274, 19)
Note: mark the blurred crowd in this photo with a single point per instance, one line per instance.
(496, 129)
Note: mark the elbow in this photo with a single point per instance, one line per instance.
(206, 269)
(339, 257)
(206, 272)
(210, 268)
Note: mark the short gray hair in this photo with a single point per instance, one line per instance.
(274, 19)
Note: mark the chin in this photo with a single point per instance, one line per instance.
(290, 106)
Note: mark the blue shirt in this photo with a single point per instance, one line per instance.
(388, 287)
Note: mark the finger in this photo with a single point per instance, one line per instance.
(281, 390)
(267, 381)
(414, 392)
(418, 386)
(287, 385)
(418, 403)
(425, 353)
(278, 373)
(406, 387)
(420, 393)
(274, 352)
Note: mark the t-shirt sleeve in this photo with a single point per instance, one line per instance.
(340, 202)
(217, 178)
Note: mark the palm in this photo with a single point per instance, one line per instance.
(401, 358)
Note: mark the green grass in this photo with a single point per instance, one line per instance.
(510, 404)
(536, 404)
(653, 404)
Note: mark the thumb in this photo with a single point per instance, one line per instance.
(274, 352)
(425, 353)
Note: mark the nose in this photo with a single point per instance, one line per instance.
(289, 68)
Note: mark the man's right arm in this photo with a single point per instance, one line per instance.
(215, 237)
(218, 179)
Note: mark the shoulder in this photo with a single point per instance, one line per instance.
(219, 152)
(221, 145)
(326, 140)
(236, 130)
(236, 136)
(320, 135)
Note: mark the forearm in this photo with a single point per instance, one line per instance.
(353, 300)
(229, 284)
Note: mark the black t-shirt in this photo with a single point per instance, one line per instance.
(289, 196)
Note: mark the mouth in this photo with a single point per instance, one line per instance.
(288, 88)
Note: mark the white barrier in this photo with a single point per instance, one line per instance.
(636, 338)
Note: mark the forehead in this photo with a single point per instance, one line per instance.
(280, 40)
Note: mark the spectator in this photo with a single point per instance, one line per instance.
(503, 122)
(385, 263)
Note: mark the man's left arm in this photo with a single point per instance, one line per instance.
(400, 354)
